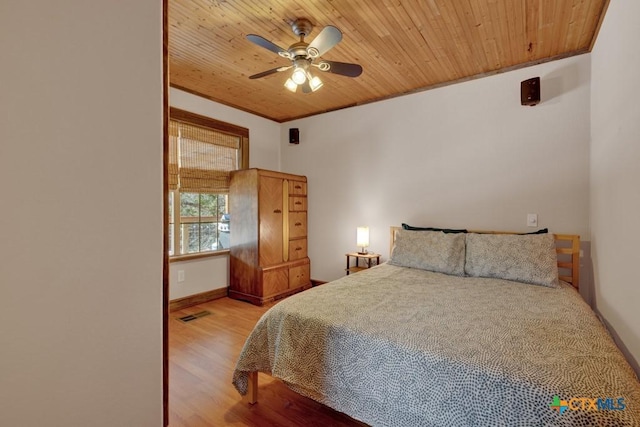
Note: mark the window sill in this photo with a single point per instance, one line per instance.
(189, 257)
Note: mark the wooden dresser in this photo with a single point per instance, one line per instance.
(268, 235)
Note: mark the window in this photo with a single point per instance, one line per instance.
(202, 225)
(202, 154)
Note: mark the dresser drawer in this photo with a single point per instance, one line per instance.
(297, 188)
(297, 204)
(275, 281)
(297, 249)
(297, 225)
(299, 276)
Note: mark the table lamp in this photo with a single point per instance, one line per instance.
(362, 239)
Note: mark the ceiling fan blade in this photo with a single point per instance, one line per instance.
(269, 72)
(262, 42)
(306, 87)
(328, 38)
(342, 68)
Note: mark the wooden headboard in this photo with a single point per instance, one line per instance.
(567, 248)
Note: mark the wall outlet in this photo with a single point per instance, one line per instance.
(532, 220)
(180, 276)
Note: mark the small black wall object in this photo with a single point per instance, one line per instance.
(294, 136)
(530, 91)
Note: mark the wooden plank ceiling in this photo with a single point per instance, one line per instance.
(404, 46)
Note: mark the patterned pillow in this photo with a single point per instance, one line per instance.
(429, 250)
(522, 258)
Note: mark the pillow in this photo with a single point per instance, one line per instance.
(429, 250)
(522, 258)
(444, 230)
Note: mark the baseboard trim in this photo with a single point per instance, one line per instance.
(315, 282)
(180, 303)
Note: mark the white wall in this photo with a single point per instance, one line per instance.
(615, 173)
(465, 155)
(200, 275)
(81, 249)
(264, 148)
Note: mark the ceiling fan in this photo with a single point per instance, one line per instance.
(303, 55)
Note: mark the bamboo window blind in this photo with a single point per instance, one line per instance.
(201, 158)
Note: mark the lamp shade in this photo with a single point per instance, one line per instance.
(291, 85)
(299, 76)
(362, 237)
(315, 83)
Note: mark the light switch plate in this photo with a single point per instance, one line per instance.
(532, 220)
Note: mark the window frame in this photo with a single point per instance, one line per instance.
(189, 118)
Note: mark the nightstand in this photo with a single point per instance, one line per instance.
(367, 261)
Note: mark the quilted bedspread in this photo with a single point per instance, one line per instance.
(395, 346)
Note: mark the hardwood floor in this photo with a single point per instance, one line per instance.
(202, 356)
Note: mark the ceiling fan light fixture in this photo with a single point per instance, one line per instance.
(302, 56)
(299, 76)
(315, 83)
(291, 85)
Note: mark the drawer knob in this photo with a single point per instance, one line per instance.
(298, 203)
(277, 211)
(298, 187)
(298, 248)
(298, 224)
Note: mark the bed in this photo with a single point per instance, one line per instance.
(457, 329)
